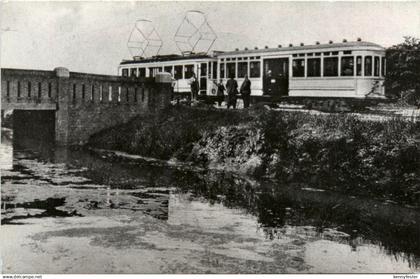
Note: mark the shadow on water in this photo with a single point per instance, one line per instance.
(393, 227)
(47, 206)
(277, 206)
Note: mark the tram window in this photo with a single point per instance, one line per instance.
(242, 69)
(298, 67)
(327, 53)
(310, 54)
(230, 69)
(178, 72)
(314, 67)
(383, 66)
(133, 72)
(124, 72)
(257, 57)
(203, 72)
(210, 72)
(368, 65)
(377, 66)
(347, 66)
(168, 69)
(214, 70)
(295, 55)
(222, 70)
(347, 52)
(189, 71)
(359, 65)
(239, 58)
(318, 54)
(142, 72)
(152, 72)
(331, 66)
(334, 53)
(301, 54)
(255, 69)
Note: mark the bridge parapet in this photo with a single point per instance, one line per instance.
(28, 89)
(84, 103)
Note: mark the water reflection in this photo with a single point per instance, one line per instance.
(92, 183)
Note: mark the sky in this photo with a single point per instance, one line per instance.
(92, 36)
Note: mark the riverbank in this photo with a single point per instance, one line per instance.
(339, 152)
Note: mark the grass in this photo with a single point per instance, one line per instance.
(337, 151)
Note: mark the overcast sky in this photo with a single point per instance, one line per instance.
(92, 36)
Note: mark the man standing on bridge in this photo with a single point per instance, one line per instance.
(246, 91)
(194, 87)
(232, 90)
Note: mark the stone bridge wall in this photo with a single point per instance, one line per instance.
(28, 89)
(84, 103)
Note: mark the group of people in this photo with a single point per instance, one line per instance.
(231, 90)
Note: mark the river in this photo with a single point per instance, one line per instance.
(78, 211)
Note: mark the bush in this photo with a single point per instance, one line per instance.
(337, 152)
(403, 70)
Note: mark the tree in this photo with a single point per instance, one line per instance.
(403, 70)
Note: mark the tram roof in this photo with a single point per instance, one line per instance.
(177, 57)
(163, 58)
(305, 47)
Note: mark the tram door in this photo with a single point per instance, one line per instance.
(203, 78)
(276, 77)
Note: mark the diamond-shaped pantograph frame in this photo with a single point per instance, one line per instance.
(144, 40)
(194, 30)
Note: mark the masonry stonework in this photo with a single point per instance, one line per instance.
(84, 103)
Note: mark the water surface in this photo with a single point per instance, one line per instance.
(74, 211)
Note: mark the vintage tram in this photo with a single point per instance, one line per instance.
(333, 70)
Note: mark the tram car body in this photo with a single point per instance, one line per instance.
(180, 67)
(335, 70)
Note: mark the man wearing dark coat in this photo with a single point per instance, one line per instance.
(220, 92)
(246, 91)
(232, 90)
(194, 87)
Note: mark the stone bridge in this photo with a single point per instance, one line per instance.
(80, 104)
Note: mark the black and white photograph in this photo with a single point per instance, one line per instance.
(210, 137)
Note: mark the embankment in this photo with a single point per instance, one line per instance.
(337, 152)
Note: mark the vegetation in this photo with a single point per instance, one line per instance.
(403, 70)
(342, 153)
(165, 135)
(336, 152)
